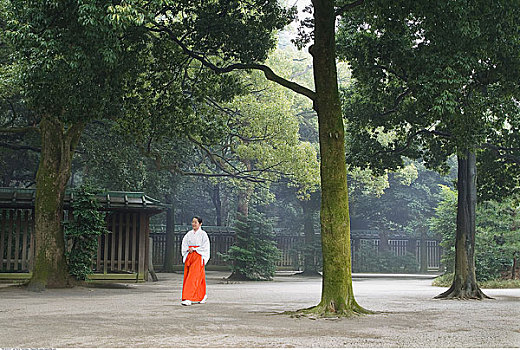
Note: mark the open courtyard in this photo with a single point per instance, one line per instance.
(250, 314)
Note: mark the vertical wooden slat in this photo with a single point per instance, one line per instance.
(134, 241)
(127, 241)
(17, 240)
(147, 246)
(98, 257)
(105, 252)
(142, 247)
(24, 239)
(113, 245)
(3, 228)
(120, 242)
(100, 243)
(32, 248)
(10, 229)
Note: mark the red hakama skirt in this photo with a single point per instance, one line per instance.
(194, 284)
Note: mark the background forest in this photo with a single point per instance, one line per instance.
(230, 145)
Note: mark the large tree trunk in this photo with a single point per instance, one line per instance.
(169, 254)
(383, 247)
(50, 265)
(215, 197)
(464, 284)
(224, 210)
(244, 196)
(337, 295)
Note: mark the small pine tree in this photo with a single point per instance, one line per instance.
(254, 254)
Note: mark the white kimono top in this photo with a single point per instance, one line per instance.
(200, 239)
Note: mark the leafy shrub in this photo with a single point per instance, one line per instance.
(82, 232)
(446, 280)
(369, 260)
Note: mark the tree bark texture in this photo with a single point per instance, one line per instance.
(464, 284)
(58, 144)
(384, 247)
(215, 197)
(337, 297)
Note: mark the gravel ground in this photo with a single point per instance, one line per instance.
(248, 314)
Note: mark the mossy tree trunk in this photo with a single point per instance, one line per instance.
(58, 144)
(464, 284)
(337, 297)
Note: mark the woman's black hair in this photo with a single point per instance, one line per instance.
(199, 219)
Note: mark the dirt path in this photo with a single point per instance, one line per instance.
(247, 315)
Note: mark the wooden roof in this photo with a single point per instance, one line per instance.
(110, 200)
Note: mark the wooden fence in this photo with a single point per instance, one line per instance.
(125, 247)
(16, 240)
(123, 250)
(222, 238)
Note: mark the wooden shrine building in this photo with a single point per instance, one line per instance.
(123, 253)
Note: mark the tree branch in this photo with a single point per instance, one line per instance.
(390, 70)
(340, 11)
(497, 152)
(174, 169)
(268, 72)
(411, 137)
(398, 100)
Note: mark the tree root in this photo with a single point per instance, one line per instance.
(463, 294)
(328, 312)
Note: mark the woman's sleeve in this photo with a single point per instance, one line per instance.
(204, 249)
(184, 248)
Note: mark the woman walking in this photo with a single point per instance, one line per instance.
(195, 255)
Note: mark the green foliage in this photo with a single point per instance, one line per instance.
(440, 78)
(212, 26)
(444, 224)
(369, 260)
(83, 230)
(412, 195)
(70, 57)
(254, 254)
(497, 237)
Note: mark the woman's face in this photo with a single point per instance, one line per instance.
(195, 224)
